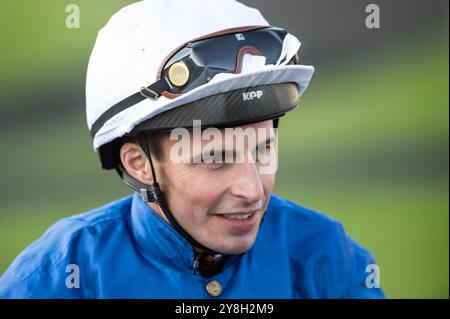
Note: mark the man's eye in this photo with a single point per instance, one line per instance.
(212, 165)
(264, 152)
(209, 158)
(266, 149)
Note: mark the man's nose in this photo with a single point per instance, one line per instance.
(248, 184)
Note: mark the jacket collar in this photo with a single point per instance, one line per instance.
(157, 241)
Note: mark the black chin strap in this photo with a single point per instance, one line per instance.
(153, 193)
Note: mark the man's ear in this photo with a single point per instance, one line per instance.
(135, 162)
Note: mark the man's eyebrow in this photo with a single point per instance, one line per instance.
(198, 157)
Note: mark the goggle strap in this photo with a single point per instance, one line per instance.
(152, 91)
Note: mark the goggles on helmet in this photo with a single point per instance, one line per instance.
(197, 62)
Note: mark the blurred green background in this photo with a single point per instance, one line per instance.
(368, 146)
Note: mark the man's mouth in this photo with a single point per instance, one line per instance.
(238, 216)
(239, 223)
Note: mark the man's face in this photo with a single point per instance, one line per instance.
(221, 204)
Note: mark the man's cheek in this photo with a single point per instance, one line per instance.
(268, 181)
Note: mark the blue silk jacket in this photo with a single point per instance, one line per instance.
(125, 250)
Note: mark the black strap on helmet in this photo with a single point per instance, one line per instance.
(152, 92)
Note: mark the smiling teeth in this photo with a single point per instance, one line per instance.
(237, 216)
